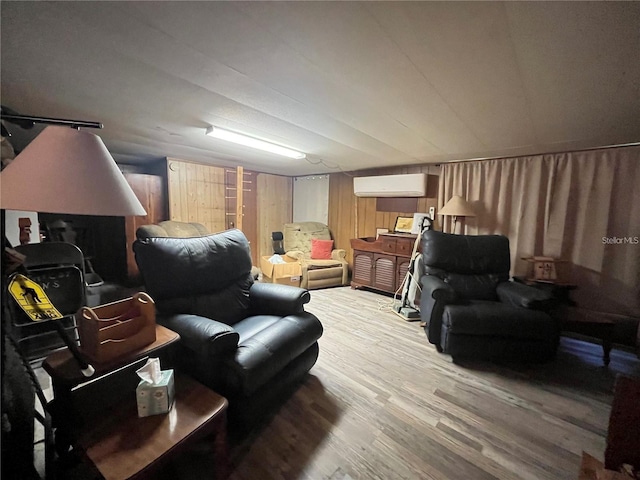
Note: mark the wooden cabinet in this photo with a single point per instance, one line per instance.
(150, 191)
(362, 268)
(381, 264)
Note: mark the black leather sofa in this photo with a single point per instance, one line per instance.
(251, 342)
(469, 307)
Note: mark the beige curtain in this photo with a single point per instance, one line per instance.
(583, 207)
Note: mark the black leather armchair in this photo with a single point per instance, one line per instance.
(251, 342)
(471, 309)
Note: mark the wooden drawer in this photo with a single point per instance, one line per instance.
(404, 246)
(388, 244)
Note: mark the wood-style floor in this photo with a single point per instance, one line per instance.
(381, 403)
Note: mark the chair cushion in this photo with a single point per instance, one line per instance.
(321, 249)
(250, 326)
(267, 345)
(498, 320)
(297, 236)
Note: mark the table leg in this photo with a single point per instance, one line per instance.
(607, 342)
(221, 449)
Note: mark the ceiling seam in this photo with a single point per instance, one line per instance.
(320, 71)
(290, 122)
(520, 76)
(392, 40)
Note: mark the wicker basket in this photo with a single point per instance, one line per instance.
(115, 329)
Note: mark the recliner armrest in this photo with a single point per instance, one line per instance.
(275, 299)
(524, 296)
(437, 289)
(295, 254)
(339, 254)
(436, 294)
(202, 335)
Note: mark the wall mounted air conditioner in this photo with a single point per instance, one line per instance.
(406, 185)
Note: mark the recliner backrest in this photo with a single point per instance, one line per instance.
(472, 264)
(208, 276)
(172, 228)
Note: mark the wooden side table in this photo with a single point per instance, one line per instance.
(576, 320)
(123, 446)
(591, 324)
(65, 372)
(77, 399)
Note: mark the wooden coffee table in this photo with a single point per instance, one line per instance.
(123, 446)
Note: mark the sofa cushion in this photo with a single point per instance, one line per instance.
(482, 318)
(321, 249)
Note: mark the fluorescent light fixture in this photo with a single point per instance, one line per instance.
(240, 139)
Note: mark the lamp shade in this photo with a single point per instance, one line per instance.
(457, 207)
(64, 170)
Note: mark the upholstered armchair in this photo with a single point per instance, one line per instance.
(470, 308)
(322, 265)
(251, 342)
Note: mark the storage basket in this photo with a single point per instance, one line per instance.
(115, 329)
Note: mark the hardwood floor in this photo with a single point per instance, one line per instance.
(381, 403)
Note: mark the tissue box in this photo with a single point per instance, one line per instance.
(155, 398)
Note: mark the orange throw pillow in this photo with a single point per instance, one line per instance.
(321, 249)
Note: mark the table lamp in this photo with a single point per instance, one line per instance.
(65, 170)
(457, 207)
(69, 171)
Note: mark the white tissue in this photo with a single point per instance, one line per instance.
(150, 371)
(276, 259)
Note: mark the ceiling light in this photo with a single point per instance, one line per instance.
(240, 139)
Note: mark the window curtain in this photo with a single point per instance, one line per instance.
(311, 199)
(582, 207)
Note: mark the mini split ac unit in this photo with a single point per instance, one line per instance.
(407, 185)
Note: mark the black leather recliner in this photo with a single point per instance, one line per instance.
(251, 342)
(469, 307)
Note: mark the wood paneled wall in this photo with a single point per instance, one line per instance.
(274, 208)
(150, 191)
(196, 194)
(357, 217)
